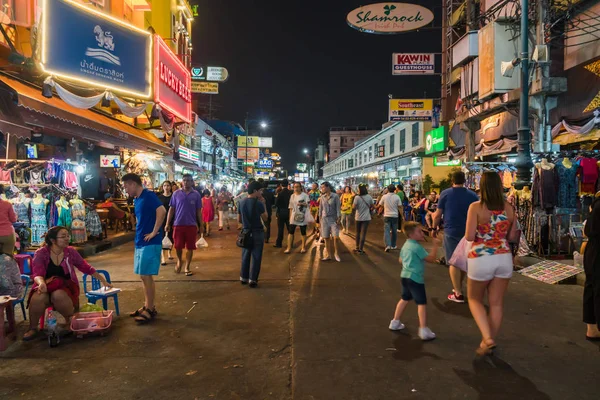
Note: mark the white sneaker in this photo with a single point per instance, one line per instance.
(387, 249)
(396, 325)
(426, 334)
(337, 258)
(394, 248)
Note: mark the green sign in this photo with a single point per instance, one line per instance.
(449, 163)
(435, 140)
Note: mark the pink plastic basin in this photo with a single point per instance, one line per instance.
(86, 322)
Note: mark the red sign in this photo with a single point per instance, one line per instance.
(172, 82)
(208, 132)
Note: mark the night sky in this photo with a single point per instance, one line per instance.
(299, 66)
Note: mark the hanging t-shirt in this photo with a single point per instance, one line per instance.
(299, 204)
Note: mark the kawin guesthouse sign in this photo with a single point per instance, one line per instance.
(389, 18)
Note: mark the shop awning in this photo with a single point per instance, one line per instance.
(36, 110)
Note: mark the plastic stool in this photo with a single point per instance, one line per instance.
(10, 316)
(21, 260)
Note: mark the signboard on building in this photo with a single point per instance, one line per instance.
(172, 82)
(210, 74)
(110, 161)
(251, 152)
(265, 163)
(189, 154)
(413, 64)
(389, 18)
(205, 87)
(411, 109)
(255, 141)
(95, 49)
(446, 163)
(302, 167)
(435, 140)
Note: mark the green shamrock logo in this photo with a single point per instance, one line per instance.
(389, 9)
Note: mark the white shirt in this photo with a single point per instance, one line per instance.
(298, 204)
(390, 203)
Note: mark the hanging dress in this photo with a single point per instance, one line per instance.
(22, 211)
(64, 217)
(78, 234)
(93, 223)
(39, 224)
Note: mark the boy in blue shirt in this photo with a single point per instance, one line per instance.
(412, 258)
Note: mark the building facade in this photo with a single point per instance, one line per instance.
(342, 139)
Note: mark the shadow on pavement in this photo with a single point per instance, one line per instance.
(450, 307)
(494, 378)
(410, 348)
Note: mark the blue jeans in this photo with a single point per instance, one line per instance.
(390, 231)
(250, 270)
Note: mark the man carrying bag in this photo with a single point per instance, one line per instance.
(252, 214)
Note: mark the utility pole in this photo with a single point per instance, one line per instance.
(246, 160)
(524, 163)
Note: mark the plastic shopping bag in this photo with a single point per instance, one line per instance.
(166, 243)
(201, 243)
(459, 257)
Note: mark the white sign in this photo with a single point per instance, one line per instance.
(387, 18)
(413, 64)
(217, 74)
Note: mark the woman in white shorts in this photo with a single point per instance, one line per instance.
(490, 261)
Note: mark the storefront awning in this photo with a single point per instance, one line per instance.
(36, 110)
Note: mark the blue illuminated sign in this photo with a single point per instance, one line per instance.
(265, 163)
(85, 45)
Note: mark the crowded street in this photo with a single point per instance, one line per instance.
(311, 330)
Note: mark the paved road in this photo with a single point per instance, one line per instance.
(312, 330)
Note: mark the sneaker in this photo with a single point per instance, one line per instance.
(243, 281)
(394, 248)
(426, 334)
(456, 298)
(396, 325)
(387, 249)
(254, 284)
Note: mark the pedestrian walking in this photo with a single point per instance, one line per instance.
(330, 215)
(269, 202)
(392, 211)
(165, 199)
(298, 209)
(347, 200)
(252, 214)
(313, 196)
(282, 203)
(452, 207)
(412, 258)
(150, 215)
(208, 211)
(362, 205)
(184, 214)
(223, 200)
(490, 226)
(591, 265)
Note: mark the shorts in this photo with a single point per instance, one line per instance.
(292, 229)
(450, 243)
(487, 268)
(185, 236)
(329, 228)
(146, 260)
(412, 290)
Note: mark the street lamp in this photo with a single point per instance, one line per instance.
(263, 125)
(305, 151)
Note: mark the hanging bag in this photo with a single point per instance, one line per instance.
(166, 243)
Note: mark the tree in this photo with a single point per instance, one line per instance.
(427, 184)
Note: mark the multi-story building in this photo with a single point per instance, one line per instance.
(392, 155)
(342, 139)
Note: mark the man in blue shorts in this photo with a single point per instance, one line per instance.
(150, 214)
(453, 206)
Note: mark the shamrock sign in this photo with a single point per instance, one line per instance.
(389, 9)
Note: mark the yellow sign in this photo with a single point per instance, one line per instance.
(255, 141)
(205, 87)
(411, 109)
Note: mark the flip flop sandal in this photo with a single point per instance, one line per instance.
(143, 319)
(137, 312)
(32, 336)
(189, 273)
(163, 263)
(178, 269)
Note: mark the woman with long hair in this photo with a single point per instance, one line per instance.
(363, 204)
(490, 225)
(208, 210)
(165, 199)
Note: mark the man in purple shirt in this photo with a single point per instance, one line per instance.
(186, 208)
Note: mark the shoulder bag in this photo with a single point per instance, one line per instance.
(244, 239)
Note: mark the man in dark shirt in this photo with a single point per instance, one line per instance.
(269, 201)
(282, 204)
(252, 214)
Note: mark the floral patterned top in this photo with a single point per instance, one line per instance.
(490, 238)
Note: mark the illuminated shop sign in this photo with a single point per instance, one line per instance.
(86, 46)
(172, 82)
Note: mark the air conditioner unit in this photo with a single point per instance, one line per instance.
(465, 49)
(495, 46)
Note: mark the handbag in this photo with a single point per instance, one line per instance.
(459, 257)
(166, 243)
(244, 239)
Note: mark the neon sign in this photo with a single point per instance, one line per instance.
(172, 82)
